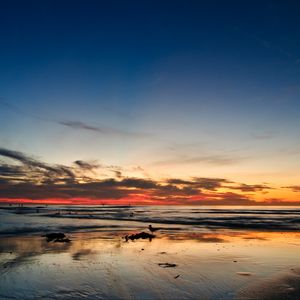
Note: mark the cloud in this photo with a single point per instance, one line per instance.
(200, 182)
(229, 198)
(281, 202)
(294, 188)
(138, 183)
(35, 180)
(33, 167)
(86, 165)
(267, 135)
(75, 124)
(80, 125)
(180, 181)
(12, 171)
(251, 187)
(102, 130)
(210, 183)
(218, 160)
(118, 173)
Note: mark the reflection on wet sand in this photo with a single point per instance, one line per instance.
(103, 265)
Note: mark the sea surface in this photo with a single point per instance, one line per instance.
(32, 219)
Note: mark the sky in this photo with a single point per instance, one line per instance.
(150, 102)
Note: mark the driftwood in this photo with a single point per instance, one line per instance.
(167, 265)
(141, 235)
(57, 237)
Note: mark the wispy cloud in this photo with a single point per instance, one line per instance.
(85, 165)
(265, 135)
(218, 160)
(294, 188)
(31, 163)
(75, 124)
(102, 129)
(251, 187)
(80, 125)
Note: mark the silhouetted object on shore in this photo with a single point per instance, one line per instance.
(152, 229)
(141, 235)
(57, 237)
(167, 265)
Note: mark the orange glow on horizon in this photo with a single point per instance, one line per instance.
(138, 200)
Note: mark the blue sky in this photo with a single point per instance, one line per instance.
(193, 87)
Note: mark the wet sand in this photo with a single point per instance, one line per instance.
(284, 285)
(218, 264)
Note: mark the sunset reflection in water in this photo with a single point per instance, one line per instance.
(210, 263)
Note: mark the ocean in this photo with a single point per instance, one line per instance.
(31, 219)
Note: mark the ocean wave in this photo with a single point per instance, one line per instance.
(24, 220)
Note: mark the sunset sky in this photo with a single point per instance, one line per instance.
(150, 102)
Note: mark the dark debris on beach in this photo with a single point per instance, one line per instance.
(141, 235)
(56, 237)
(167, 265)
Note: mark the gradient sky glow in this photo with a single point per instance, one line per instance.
(146, 92)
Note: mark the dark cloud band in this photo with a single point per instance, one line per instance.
(29, 178)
